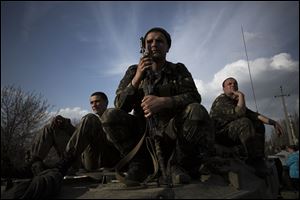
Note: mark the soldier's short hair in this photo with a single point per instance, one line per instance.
(102, 95)
(163, 31)
(227, 79)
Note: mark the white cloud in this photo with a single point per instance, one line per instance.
(284, 61)
(75, 114)
(200, 86)
(267, 75)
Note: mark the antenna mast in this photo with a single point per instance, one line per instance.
(249, 70)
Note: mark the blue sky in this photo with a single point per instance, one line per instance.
(67, 50)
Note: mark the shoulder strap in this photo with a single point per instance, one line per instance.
(132, 153)
(126, 160)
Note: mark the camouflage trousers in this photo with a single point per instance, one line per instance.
(89, 141)
(191, 130)
(47, 138)
(248, 132)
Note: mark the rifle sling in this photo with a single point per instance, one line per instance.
(132, 153)
(126, 160)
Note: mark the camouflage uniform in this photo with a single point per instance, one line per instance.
(236, 126)
(88, 142)
(51, 137)
(187, 120)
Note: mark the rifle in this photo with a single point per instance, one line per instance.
(154, 136)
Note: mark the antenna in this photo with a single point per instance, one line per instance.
(249, 69)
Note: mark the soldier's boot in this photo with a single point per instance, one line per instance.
(140, 166)
(179, 175)
(183, 164)
(240, 151)
(28, 170)
(65, 163)
(136, 174)
(37, 167)
(259, 164)
(20, 172)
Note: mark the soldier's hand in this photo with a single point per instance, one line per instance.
(278, 129)
(60, 122)
(144, 64)
(237, 95)
(153, 104)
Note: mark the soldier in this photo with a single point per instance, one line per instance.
(182, 121)
(236, 124)
(55, 134)
(88, 140)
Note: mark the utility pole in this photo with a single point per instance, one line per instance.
(295, 140)
(290, 137)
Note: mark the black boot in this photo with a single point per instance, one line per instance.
(259, 164)
(179, 175)
(136, 174)
(185, 164)
(37, 167)
(28, 170)
(65, 163)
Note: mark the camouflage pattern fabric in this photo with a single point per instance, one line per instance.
(90, 139)
(123, 130)
(51, 137)
(187, 120)
(234, 126)
(45, 185)
(174, 81)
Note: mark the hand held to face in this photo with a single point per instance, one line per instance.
(146, 63)
(237, 95)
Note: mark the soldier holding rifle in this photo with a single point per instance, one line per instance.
(164, 94)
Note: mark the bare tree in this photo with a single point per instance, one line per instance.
(22, 114)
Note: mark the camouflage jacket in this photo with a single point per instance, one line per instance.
(174, 81)
(224, 110)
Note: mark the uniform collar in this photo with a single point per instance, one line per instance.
(166, 68)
